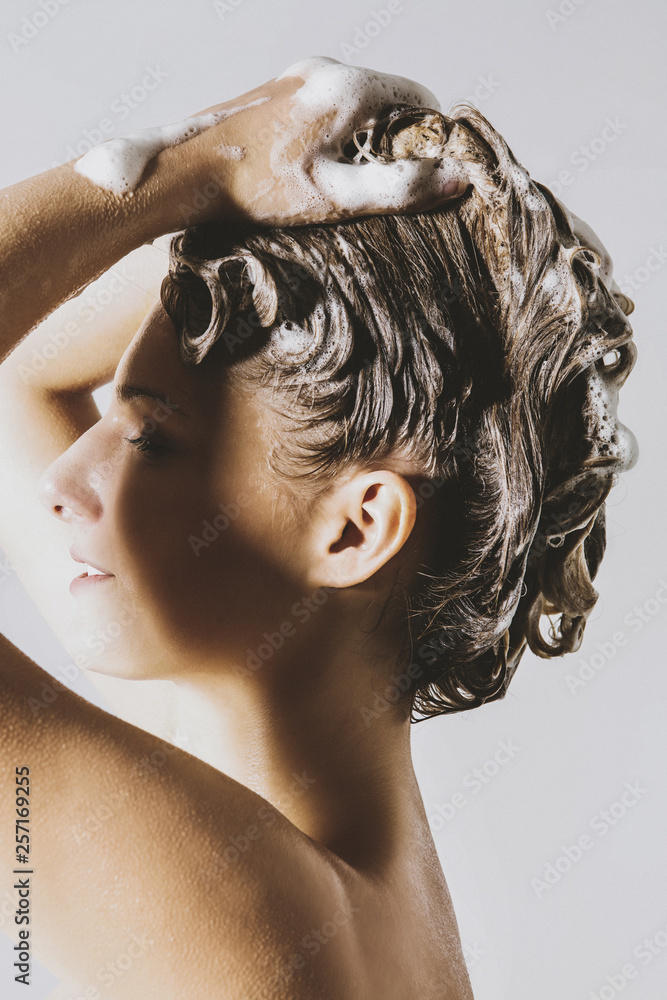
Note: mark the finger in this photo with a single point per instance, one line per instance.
(384, 88)
(406, 185)
(305, 68)
(357, 93)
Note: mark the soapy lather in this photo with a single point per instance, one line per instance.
(118, 164)
(322, 183)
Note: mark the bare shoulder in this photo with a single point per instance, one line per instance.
(157, 875)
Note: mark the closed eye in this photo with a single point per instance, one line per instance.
(146, 444)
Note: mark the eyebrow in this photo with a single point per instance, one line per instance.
(127, 392)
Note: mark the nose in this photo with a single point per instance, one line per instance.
(72, 486)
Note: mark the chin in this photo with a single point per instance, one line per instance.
(114, 644)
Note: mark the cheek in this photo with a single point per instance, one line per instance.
(163, 522)
(203, 571)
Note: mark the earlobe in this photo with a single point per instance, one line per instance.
(365, 524)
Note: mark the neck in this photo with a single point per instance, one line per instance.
(317, 739)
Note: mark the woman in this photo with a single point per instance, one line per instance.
(346, 470)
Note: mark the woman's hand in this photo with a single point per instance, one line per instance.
(279, 155)
(283, 158)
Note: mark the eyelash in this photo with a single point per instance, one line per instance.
(145, 444)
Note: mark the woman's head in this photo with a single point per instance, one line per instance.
(474, 345)
(387, 432)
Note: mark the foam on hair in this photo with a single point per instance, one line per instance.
(468, 337)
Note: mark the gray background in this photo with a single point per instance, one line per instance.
(550, 75)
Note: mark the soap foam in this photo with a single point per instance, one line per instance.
(343, 94)
(231, 152)
(613, 440)
(289, 339)
(331, 90)
(118, 164)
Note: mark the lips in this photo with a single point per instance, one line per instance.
(96, 570)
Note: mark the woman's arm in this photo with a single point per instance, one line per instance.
(59, 232)
(63, 228)
(76, 349)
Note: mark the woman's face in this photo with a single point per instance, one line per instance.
(201, 561)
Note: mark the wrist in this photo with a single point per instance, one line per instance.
(183, 187)
(156, 188)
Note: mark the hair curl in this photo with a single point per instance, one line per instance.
(460, 334)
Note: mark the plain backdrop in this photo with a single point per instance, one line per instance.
(575, 754)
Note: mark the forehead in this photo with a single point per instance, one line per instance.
(153, 362)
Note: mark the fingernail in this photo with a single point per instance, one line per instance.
(451, 188)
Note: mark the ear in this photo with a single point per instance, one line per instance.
(361, 526)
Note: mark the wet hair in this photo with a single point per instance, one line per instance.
(458, 336)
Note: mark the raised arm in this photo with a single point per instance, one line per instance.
(59, 232)
(278, 155)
